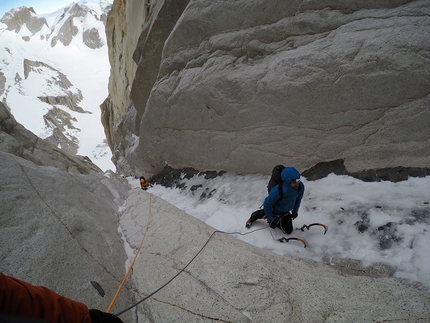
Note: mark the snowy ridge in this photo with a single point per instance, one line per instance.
(83, 63)
(97, 6)
(375, 223)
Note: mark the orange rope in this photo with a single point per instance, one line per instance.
(132, 263)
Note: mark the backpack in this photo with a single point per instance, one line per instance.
(276, 179)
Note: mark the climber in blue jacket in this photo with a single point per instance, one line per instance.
(282, 204)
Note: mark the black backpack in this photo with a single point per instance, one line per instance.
(276, 179)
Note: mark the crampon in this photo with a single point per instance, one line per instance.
(307, 227)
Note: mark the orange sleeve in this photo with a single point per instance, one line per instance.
(21, 299)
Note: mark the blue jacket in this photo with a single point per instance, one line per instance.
(291, 198)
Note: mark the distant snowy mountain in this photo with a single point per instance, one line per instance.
(54, 72)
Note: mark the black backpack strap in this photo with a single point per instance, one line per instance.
(280, 191)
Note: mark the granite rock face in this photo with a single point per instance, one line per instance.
(24, 16)
(2, 82)
(69, 29)
(392, 174)
(123, 28)
(245, 85)
(59, 230)
(59, 223)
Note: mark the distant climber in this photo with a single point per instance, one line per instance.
(144, 183)
(23, 302)
(282, 204)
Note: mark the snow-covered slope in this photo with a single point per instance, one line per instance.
(377, 224)
(54, 72)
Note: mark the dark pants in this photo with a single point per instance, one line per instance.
(285, 222)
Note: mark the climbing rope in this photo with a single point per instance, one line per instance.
(134, 259)
(195, 256)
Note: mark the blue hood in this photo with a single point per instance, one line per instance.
(289, 174)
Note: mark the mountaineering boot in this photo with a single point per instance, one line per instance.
(259, 214)
(248, 224)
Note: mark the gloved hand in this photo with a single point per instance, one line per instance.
(274, 222)
(294, 215)
(103, 317)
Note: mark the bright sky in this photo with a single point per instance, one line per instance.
(40, 6)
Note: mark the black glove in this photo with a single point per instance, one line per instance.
(274, 223)
(103, 317)
(294, 215)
